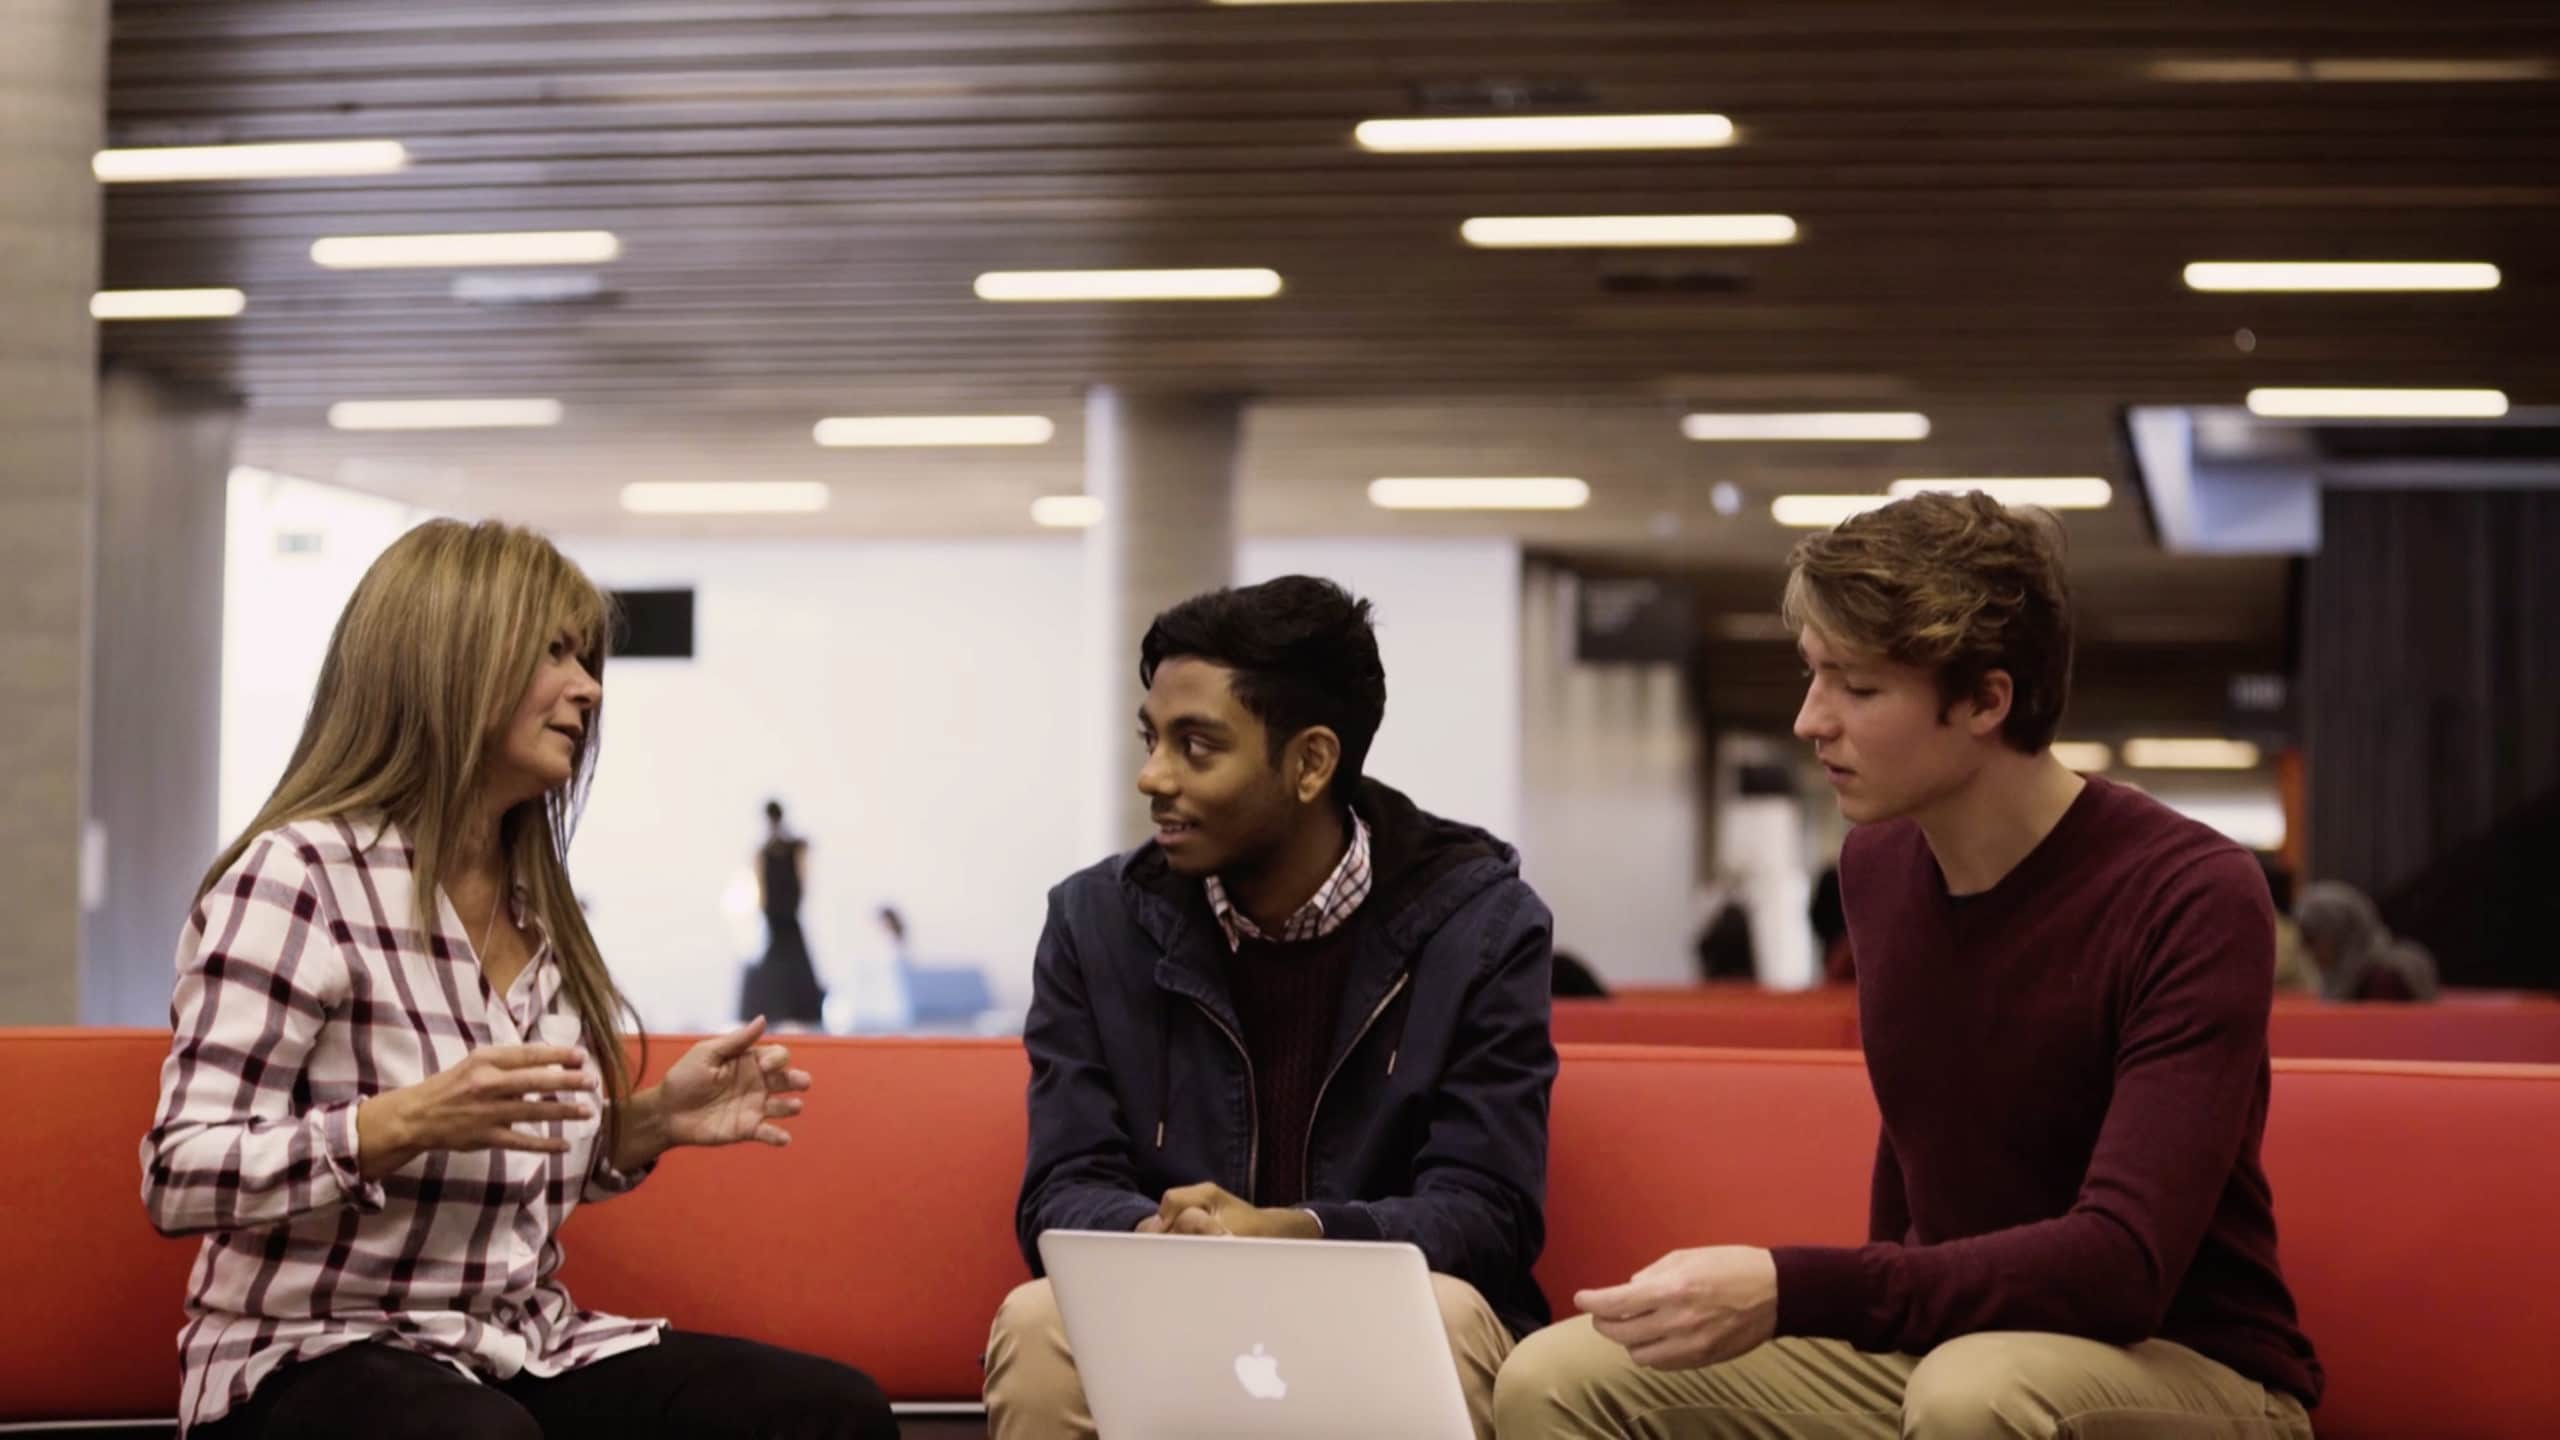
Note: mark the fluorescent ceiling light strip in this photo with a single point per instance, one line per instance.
(724, 497)
(444, 414)
(2349, 71)
(1525, 492)
(1861, 426)
(1526, 232)
(167, 304)
(2064, 492)
(2427, 71)
(928, 431)
(1066, 512)
(1070, 285)
(520, 247)
(2157, 754)
(249, 162)
(2085, 756)
(2376, 404)
(1820, 512)
(2339, 276)
(1490, 133)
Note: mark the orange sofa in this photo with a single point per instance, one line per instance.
(2414, 1204)
(2515, 1030)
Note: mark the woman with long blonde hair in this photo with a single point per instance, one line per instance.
(398, 1061)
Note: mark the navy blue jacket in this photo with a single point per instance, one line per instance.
(1431, 1126)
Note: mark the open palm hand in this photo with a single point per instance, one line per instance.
(729, 1088)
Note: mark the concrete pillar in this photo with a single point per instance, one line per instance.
(53, 112)
(155, 715)
(1164, 468)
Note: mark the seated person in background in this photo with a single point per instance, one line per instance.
(2063, 995)
(1831, 930)
(1306, 1009)
(1575, 980)
(2296, 972)
(2358, 956)
(397, 1066)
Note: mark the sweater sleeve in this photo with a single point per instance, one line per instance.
(2191, 1060)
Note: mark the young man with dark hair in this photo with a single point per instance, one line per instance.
(1305, 1009)
(2063, 993)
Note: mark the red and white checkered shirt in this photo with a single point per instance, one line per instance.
(304, 986)
(1326, 911)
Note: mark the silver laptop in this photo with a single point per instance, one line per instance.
(1186, 1338)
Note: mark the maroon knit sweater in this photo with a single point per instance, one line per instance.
(1286, 995)
(2072, 1069)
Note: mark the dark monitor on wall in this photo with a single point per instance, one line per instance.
(1633, 620)
(653, 625)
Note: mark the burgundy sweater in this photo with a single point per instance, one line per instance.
(2072, 1070)
(1286, 995)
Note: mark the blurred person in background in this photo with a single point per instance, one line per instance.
(2297, 973)
(1724, 947)
(1306, 1010)
(783, 986)
(1831, 930)
(398, 1057)
(2357, 954)
(1576, 980)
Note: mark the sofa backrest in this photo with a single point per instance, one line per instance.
(2511, 1031)
(2413, 1207)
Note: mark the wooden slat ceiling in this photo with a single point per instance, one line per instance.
(1996, 201)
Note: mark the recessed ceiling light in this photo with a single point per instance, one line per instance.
(1839, 426)
(1821, 512)
(1492, 133)
(1523, 492)
(930, 431)
(249, 162)
(167, 304)
(520, 247)
(2183, 754)
(2334, 276)
(1071, 285)
(2065, 492)
(724, 497)
(1564, 232)
(1066, 512)
(2377, 404)
(444, 414)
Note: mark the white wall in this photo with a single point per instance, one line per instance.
(1609, 809)
(1448, 617)
(912, 706)
(915, 706)
(293, 552)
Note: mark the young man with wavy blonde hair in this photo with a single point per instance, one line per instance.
(2063, 990)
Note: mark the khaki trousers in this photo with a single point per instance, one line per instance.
(1570, 1380)
(1033, 1392)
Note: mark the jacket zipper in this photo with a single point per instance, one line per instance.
(1306, 1161)
(1252, 1105)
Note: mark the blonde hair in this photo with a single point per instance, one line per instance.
(428, 661)
(1960, 584)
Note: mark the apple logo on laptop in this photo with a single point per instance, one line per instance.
(1259, 1374)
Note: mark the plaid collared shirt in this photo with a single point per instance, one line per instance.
(1325, 911)
(304, 987)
